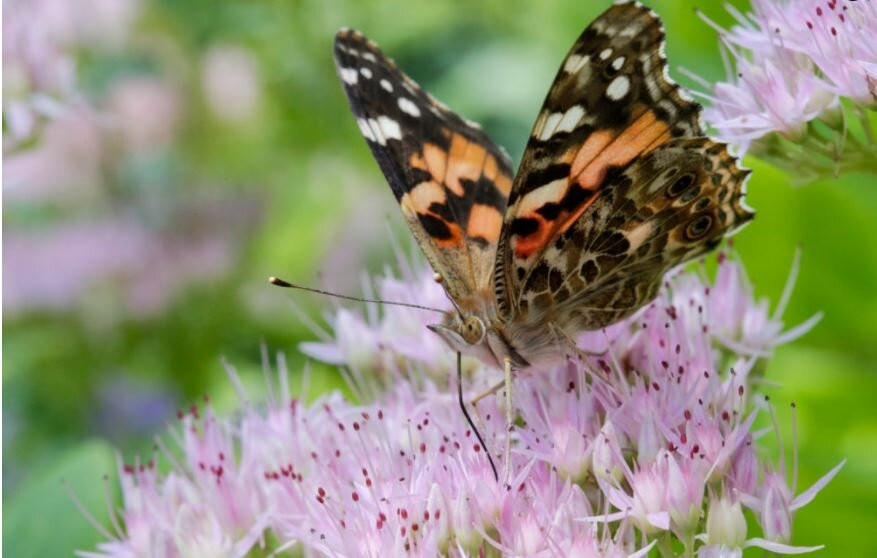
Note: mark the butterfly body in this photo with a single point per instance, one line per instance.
(617, 185)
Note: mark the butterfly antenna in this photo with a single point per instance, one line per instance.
(287, 285)
(468, 418)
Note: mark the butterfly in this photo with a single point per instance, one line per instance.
(617, 185)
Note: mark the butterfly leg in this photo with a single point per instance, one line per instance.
(584, 356)
(490, 391)
(563, 338)
(509, 416)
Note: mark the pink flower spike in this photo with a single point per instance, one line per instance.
(802, 71)
(610, 453)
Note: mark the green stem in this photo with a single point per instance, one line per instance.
(665, 547)
(865, 121)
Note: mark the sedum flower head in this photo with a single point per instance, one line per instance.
(648, 442)
(803, 90)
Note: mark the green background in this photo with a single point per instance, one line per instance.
(317, 211)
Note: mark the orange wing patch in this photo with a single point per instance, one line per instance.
(545, 213)
(604, 149)
(492, 172)
(443, 201)
(466, 162)
(485, 221)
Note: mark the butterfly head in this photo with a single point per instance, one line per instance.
(463, 333)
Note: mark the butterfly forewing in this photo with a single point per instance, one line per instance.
(611, 101)
(450, 179)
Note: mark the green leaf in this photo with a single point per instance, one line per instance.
(40, 519)
(833, 394)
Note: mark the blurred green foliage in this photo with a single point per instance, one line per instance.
(322, 208)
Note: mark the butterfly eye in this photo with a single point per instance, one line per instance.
(698, 227)
(473, 330)
(680, 185)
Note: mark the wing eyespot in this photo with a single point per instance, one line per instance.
(698, 227)
(680, 185)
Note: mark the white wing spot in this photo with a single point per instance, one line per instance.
(471, 123)
(369, 56)
(685, 95)
(366, 73)
(349, 75)
(388, 87)
(390, 128)
(574, 63)
(550, 124)
(377, 134)
(408, 107)
(618, 63)
(606, 54)
(365, 129)
(618, 88)
(570, 119)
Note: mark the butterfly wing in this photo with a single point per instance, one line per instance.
(451, 181)
(669, 206)
(612, 120)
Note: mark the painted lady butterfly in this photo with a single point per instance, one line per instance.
(617, 185)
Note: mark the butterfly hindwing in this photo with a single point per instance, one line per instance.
(450, 179)
(670, 205)
(611, 102)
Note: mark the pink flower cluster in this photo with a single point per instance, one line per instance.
(39, 40)
(648, 446)
(795, 60)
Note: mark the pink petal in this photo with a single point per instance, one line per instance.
(807, 496)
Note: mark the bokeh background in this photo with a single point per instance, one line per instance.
(162, 158)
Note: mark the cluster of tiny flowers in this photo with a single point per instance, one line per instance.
(804, 90)
(646, 447)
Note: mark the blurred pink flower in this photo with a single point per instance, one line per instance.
(231, 83)
(65, 168)
(140, 267)
(145, 110)
(40, 38)
(49, 269)
(614, 453)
